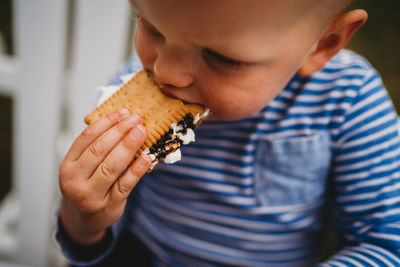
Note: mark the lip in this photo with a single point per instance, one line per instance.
(166, 90)
(169, 90)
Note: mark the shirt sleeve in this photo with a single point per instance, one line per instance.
(133, 65)
(366, 175)
(85, 255)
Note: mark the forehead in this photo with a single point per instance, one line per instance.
(210, 23)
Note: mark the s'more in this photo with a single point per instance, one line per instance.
(170, 122)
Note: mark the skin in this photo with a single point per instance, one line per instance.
(94, 193)
(256, 48)
(234, 64)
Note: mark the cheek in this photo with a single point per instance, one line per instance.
(145, 48)
(237, 98)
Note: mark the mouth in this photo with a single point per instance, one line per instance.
(167, 90)
(170, 90)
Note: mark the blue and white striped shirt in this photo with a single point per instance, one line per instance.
(325, 153)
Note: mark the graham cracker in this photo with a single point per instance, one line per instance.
(142, 96)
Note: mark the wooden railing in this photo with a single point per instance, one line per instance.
(63, 49)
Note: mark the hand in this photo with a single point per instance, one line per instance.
(94, 191)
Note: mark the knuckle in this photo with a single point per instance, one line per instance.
(95, 150)
(122, 128)
(106, 170)
(67, 168)
(135, 171)
(72, 191)
(112, 117)
(64, 169)
(66, 178)
(136, 137)
(124, 188)
(82, 197)
(142, 132)
(87, 132)
(130, 143)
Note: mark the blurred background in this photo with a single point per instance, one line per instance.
(379, 41)
(52, 53)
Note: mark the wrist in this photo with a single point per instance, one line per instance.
(78, 251)
(77, 230)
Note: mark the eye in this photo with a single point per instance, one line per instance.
(149, 27)
(212, 58)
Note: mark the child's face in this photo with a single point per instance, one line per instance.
(232, 56)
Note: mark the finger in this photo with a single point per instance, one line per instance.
(124, 184)
(93, 131)
(117, 160)
(102, 146)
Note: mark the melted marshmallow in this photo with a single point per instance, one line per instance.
(173, 157)
(185, 138)
(202, 116)
(108, 91)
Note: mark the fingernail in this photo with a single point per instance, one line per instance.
(138, 131)
(123, 111)
(134, 118)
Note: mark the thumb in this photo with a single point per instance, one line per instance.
(124, 184)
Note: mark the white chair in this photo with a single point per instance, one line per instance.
(63, 50)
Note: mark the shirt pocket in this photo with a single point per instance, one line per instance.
(292, 170)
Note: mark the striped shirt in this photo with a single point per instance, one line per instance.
(324, 154)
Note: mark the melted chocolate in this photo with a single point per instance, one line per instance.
(167, 144)
(187, 122)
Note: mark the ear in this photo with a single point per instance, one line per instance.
(334, 38)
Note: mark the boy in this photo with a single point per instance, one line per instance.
(303, 134)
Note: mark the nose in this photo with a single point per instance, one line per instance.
(172, 65)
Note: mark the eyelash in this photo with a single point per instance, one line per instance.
(209, 56)
(148, 26)
(218, 58)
